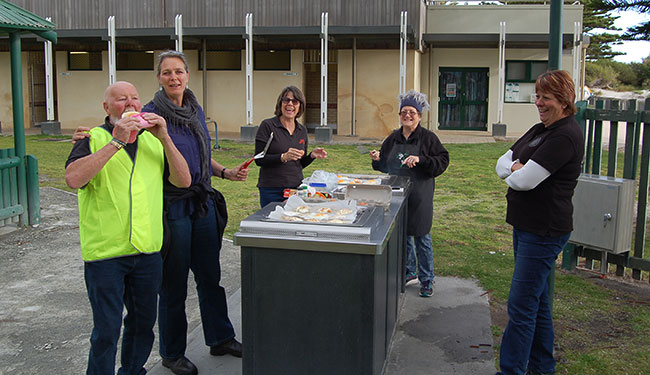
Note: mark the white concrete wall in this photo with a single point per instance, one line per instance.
(482, 19)
(81, 92)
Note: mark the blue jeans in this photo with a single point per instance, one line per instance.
(271, 194)
(420, 246)
(194, 244)
(134, 282)
(528, 339)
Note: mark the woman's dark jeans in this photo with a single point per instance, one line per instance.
(528, 339)
(271, 194)
(194, 244)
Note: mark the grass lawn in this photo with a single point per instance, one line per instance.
(601, 324)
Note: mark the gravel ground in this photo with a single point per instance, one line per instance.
(45, 317)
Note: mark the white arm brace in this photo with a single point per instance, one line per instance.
(504, 165)
(528, 177)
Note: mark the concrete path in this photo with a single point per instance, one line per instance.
(45, 318)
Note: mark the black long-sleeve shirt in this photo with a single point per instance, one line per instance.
(273, 172)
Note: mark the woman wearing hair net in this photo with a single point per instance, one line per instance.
(417, 153)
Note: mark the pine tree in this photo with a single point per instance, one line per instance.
(640, 31)
(597, 15)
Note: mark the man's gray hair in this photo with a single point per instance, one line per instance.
(417, 97)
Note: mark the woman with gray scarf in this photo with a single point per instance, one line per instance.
(195, 219)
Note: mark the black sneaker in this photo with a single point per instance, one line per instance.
(426, 289)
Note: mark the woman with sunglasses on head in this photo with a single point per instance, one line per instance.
(417, 153)
(286, 155)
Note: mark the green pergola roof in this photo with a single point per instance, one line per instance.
(16, 19)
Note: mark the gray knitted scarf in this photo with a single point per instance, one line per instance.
(187, 115)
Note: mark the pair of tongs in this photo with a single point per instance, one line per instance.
(261, 154)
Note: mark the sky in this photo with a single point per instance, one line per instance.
(637, 50)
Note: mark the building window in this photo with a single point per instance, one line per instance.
(272, 60)
(134, 60)
(524, 71)
(221, 60)
(78, 60)
(520, 80)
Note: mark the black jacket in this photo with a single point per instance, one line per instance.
(434, 160)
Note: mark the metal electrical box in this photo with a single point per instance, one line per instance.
(603, 213)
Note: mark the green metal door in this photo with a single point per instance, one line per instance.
(463, 98)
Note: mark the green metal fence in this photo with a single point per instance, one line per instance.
(637, 143)
(13, 209)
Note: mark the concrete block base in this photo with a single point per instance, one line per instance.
(248, 132)
(50, 127)
(498, 130)
(323, 134)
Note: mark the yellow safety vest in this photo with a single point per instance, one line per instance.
(120, 209)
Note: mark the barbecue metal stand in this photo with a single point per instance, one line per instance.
(321, 298)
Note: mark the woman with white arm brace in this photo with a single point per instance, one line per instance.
(541, 170)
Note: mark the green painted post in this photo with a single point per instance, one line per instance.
(613, 141)
(13, 186)
(555, 35)
(631, 144)
(598, 141)
(33, 194)
(19, 126)
(582, 121)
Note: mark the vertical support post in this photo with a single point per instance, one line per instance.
(582, 122)
(19, 124)
(577, 55)
(555, 35)
(33, 196)
(502, 71)
(613, 142)
(403, 42)
(178, 27)
(598, 141)
(249, 69)
(631, 144)
(554, 62)
(49, 88)
(111, 50)
(353, 105)
(323, 67)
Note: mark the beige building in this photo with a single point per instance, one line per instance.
(452, 56)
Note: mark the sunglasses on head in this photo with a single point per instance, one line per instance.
(292, 101)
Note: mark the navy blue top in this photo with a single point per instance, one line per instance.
(188, 145)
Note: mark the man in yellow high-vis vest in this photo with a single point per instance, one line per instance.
(120, 182)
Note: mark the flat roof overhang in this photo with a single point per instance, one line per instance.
(223, 38)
